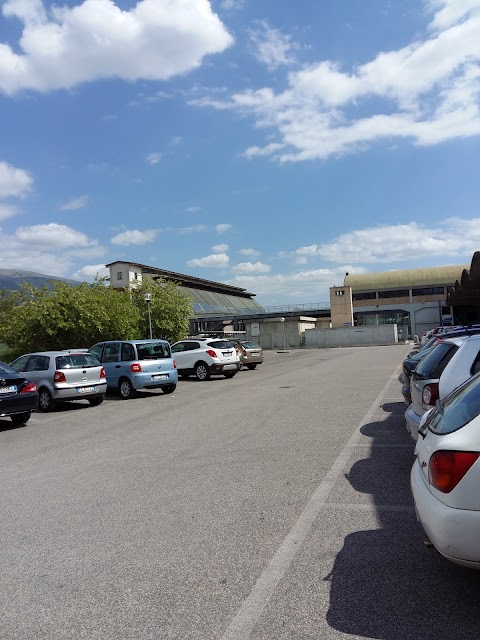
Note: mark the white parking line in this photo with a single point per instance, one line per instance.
(242, 625)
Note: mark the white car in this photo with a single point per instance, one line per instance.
(447, 366)
(445, 477)
(205, 357)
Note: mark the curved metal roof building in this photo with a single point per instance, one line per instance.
(428, 276)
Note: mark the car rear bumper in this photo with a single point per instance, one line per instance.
(455, 533)
(149, 380)
(9, 407)
(78, 392)
(217, 368)
(412, 422)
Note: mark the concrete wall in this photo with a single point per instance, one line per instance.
(272, 332)
(341, 306)
(351, 336)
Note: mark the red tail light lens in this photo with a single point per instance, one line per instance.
(59, 376)
(31, 386)
(174, 364)
(430, 394)
(102, 373)
(447, 468)
(244, 351)
(211, 353)
(135, 367)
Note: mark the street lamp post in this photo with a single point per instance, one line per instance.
(148, 297)
(282, 320)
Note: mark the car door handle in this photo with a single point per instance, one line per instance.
(117, 366)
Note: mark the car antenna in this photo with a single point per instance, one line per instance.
(462, 325)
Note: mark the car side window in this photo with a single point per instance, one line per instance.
(38, 363)
(476, 365)
(177, 348)
(20, 364)
(191, 346)
(112, 352)
(96, 350)
(128, 352)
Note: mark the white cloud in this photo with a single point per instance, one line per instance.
(14, 182)
(91, 271)
(454, 237)
(427, 92)
(253, 253)
(48, 249)
(194, 228)
(134, 236)
(222, 228)
(74, 204)
(214, 261)
(230, 5)
(7, 211)
(271, 46)
(54, 235)
(220, 248)
(154, 157)
(308, 286)
(193, 209)
(251, 267)
(63, 46)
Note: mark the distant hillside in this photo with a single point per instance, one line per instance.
(13, 279)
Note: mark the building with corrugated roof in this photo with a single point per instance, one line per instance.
(215, 304)
(414, 299)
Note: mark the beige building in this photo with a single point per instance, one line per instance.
(413, 299)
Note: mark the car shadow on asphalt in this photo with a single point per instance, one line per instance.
(386, 583)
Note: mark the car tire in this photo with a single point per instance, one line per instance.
(202, 372)
(126, 389)
(169, 388)
(230, 374)
(45, 401)
(21, 418)
(251, 366)
(94, 402)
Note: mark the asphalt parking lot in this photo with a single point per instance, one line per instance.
(271, 506)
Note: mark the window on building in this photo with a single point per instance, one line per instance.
(135, 276)
(340, 293)
(119, 275)
(428, 291)
(394, 293)
(371, 295)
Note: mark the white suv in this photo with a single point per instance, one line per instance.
(205, 357)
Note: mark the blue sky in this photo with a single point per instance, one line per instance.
(270, 144)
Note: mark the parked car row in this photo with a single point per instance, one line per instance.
(45, 378)
(443, 418)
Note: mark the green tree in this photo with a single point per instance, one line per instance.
(170, 308)
(66, 316)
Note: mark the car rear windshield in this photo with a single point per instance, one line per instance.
(250, 345)
(458, 409)
(153, 350)
(432, 365)
(76, 361)
(220, 344)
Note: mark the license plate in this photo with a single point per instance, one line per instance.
(160, 376)
(254, 353)
(230, 366)
(11, 389)
(86, 389)
(227, 353)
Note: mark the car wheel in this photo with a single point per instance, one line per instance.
(202, 372)
(45, 400)
(169, 388)
(94, 402)
(20, 418)
(126, 389)
(251, 366)
(230, 374)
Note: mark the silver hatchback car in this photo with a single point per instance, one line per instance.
(63, 375)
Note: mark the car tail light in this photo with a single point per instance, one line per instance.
(102, 373)
(447, 468)
(174, 364)
(31, 386)
(59, 376)
(244, 351)
(430, 394)
(211, 353)
(136, 367)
